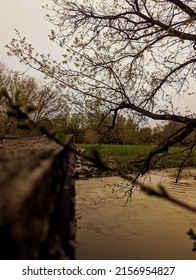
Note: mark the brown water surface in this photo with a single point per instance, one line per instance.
(145, 228)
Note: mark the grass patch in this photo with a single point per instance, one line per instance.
(125, 157)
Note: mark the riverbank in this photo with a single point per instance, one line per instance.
(113, 160)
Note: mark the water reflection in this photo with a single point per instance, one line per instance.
(146, 228)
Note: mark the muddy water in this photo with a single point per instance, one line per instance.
(145, 228)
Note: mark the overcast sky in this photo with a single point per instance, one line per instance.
(28, 17)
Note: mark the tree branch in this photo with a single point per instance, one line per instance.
(184, 7)
(154, 116)
(162, 193)
(164, 148)
(165, 79)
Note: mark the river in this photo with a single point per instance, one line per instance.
(144, 228)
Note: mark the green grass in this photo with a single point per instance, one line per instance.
(125, 157)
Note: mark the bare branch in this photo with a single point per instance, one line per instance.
(162, 193)
(184, 7)
(154, 116)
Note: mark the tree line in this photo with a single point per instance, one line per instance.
(52, 110)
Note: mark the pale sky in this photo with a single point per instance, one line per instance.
(28, 17)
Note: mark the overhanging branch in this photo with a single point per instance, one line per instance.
(154, 116)
(184, 7)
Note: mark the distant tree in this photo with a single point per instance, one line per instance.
(172, 128)
(76, 126)
(145, 136)
(135, 56)
(91, 136)
(48, 103)
(127, 130)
